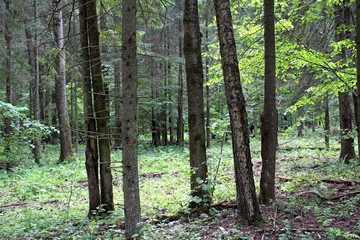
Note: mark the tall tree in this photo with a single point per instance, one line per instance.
(8, 64)
(91, 149)
(195, 80)
(342, 21)
(247, 205)
(130, 120)
(269, 117)
(358, 70)
(35, 90)
(180, 119)
(66, 152)
(100, 107)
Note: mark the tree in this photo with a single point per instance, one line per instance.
(195, 80)
(269, 116)
(130, 120)
(91, 150)
(247, 205)
(358, 70)
(66, 152)
(342, 20)
(35, 90)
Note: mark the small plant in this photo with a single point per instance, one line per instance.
(336, 233)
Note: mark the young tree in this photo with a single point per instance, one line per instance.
(247, 205)
(91, 150)
(269, 116)
(130, 120)
(100, 107)
(342, 19)
(66, 152)
(195, 80)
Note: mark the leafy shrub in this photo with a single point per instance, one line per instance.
(15, 145)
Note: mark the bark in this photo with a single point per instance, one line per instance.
(347, 152)
(207, 89)
(247, 205)
(118, 106)
(66, 152)
(130, 121)
(101, 111)
(91, 150)
(8, 67)
(194, 80)
(327, 123)
(155, 126)
(358, 71)
(269, 117)
(36, 89)
(180, 119)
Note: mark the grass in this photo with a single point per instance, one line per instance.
(50, 201)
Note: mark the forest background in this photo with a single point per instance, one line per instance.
(71, 91)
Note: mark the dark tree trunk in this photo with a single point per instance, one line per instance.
(8, 67)
(358, 71)
(247, 205)
(118, 106)
(269, 117)
(66, 152)
(195, 80)
(342, 17)
(327, 123)
(101, 111)
(180, 120)
(91, 150)
(36, 89)
(155, 126)
(130, 121)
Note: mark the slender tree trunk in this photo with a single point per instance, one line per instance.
(195, 80)
(207, 89)
(269, 117)
(118, 106)
(342, 17)
(101, 111)
(247, 205)
(358, 71)
(66, 152)
(36, 90)
(327, 123)
(180, 120)
(8, 67)
(130, 122)
(91, 150)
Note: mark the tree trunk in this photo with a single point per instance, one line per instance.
(269, 117)
(327, 123)
(195, 80)
(101, 111)
(247, 205)
(180, 120)
(8, 67)
(118, 106)
(130, 121)
(36, 90)
(91, 150)
(342, 17)
(66, 152)
(207, 89)
(358, 71)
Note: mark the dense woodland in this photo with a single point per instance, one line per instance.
(179, 119)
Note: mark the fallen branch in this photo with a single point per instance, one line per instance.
(301, 148)
(340, 181)
(13, 204)
(290, 229)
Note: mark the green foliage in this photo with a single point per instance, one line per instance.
(14, 146)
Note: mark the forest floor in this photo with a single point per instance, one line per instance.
(318, 197)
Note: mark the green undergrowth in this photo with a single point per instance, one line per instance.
(50, 201)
